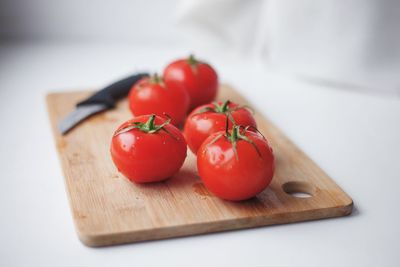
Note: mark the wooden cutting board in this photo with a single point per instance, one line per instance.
(108, 209)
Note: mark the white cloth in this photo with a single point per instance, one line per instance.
(349, 44)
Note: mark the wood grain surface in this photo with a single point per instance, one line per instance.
(108, 209)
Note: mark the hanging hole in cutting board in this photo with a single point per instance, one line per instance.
(299, 189)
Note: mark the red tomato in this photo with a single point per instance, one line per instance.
(208, 119)
(237, 165)
(152, 96)
(148, 149)
(198, 78)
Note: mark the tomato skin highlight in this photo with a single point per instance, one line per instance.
(199, 79)
(232, 178)
(147, 97)
(199, 126)
(148, 157)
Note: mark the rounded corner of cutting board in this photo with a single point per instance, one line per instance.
(88, 240)
(348, 206)
(92, 239)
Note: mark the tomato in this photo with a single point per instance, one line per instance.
(152, 96)
(235, 165)
(208, 119)
(148, 149)
(197, 77)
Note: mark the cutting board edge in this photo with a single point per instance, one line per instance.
(177, 231)
(101, 240)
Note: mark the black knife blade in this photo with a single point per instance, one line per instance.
(100, 101)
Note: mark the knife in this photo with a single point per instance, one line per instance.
(100, 101)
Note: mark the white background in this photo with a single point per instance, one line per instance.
(59, 45)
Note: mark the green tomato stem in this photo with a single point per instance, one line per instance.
(148, 127)
(192, 61)
(156, 79)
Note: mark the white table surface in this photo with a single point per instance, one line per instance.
(354, 137)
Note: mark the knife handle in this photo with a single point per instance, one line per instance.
(112, 93)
